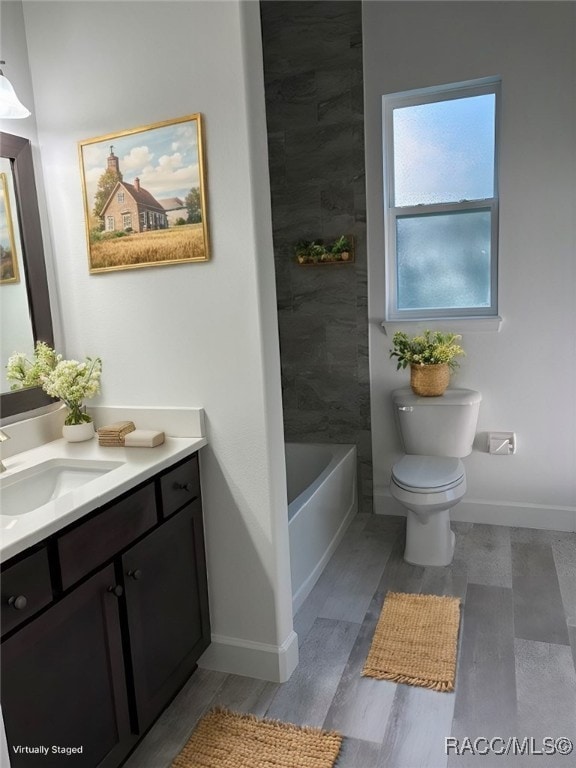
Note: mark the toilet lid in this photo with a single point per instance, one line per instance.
(430, 474)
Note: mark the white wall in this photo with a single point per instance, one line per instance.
(527, 372)
(193, 334)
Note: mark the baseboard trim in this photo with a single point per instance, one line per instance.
(252, 659)
(512, 513)
(517, 514)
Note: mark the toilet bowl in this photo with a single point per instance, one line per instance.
(429, 480)
(428, 487)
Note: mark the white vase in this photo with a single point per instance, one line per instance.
(77, 433)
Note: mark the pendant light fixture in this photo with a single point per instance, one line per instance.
(10, 106)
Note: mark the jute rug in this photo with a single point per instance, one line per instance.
(416, 641)
(224, 739)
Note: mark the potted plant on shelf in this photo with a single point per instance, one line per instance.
(431, 357)
(310, 251)
(341, 248)
(317, 252)
(68, 380)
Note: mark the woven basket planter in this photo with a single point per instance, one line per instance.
(429, 380)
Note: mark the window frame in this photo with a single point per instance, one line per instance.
(491, 85)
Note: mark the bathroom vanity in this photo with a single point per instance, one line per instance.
(104, 619)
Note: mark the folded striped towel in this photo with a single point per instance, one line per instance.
(114, 434)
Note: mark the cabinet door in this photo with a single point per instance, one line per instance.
(166, 599)
(63, 682)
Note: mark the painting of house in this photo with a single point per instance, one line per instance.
(131, 208)
(144, 198)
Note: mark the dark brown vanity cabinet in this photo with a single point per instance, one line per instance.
(64, 684)
(102, 644)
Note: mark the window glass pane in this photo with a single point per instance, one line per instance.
(444, 260)
(444, 151)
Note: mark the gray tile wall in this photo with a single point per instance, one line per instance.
(314, 106)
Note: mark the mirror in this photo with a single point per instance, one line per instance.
(24, 298)
(15, 318)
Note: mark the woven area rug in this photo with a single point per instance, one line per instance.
(416, 641)
(224, 739)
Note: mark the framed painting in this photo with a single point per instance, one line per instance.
(145, 196)
(8, 259)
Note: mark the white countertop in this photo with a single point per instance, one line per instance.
(18, 532)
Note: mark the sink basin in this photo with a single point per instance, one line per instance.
(31, 488)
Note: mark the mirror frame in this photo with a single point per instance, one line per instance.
(19, 152)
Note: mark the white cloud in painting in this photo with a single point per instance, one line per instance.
(93, 175)
(137, 158)
(170, 177)
(95, 155)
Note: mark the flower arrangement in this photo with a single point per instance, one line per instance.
(68, 380)
(431, 348)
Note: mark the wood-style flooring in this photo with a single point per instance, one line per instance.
(516, 666)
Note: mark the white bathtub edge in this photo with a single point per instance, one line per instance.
(301, 595)
(339, 452)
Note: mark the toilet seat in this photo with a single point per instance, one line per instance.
(428, 474)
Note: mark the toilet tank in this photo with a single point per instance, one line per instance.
(437, 426)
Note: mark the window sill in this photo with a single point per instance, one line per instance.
(450, 324)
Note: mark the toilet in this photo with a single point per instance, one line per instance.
(436, 433)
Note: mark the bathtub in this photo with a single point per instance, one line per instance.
(322, 501)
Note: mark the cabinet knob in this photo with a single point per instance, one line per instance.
(117, 590)
(135, 574)
(184, 487)
(18, 603)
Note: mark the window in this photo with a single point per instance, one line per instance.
(441, 201)
(110, 223)
(127, 221)
(120, 197)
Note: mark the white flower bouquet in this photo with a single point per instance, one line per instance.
(68, 380)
